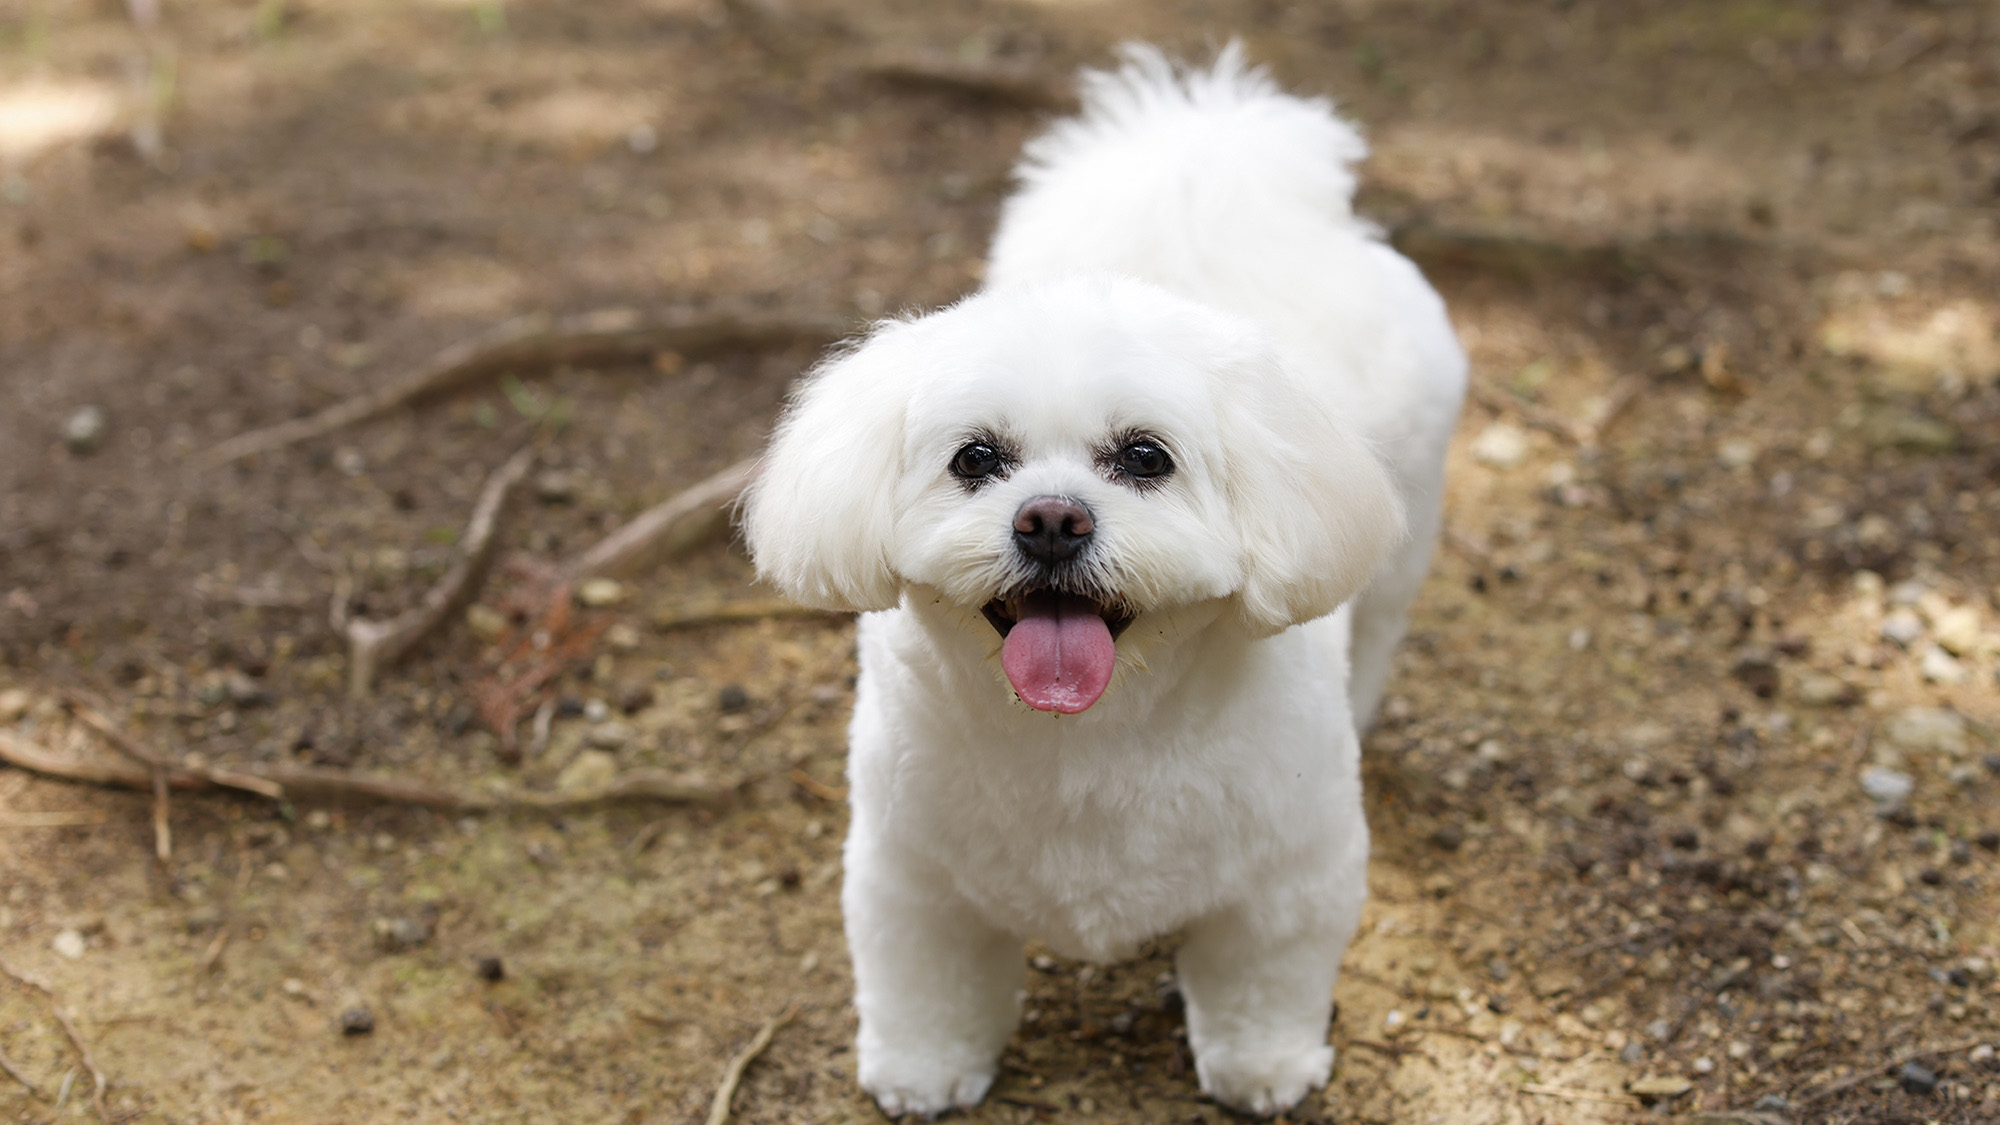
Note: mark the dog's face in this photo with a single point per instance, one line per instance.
(1064, 459)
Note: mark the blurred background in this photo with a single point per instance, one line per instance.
(1684, 799)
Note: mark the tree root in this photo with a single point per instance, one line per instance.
(539, 343)
(373, 645)
(297, 783)
(1023, 86)
(668, 528)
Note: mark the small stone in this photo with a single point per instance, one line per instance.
(1501, 445)
(1498, 969)
(555, 486)
(1988, 839)
(1819, 689)
(1394, 1021)
(357, 1021)
(83, 431)
(1704, 1065)
(1981, 1055)
(1940, 667)
(490, 969)
(1448, 837)
(1957, 630)
(13, 704)
(242, 690)
(68, 945)
(635, 698)
(1631, 1054)
(732, 698)
(596, 710)
(1773, 1103)
(400, 935)
(1889, 787)
(1915, 1079)
(592, 769)
(1902, 627)
(623, 636)
(1655, 1088)
(600, 592)
(485, 622)
(609, 736)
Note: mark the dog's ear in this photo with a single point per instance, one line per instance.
(821, 511)
(1315, 507)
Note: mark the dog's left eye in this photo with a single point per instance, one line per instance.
(1144, 460)
(976, 461)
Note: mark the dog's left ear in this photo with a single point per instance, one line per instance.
(1315, 507)
(819, 516)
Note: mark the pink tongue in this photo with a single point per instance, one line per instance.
(1059, 655)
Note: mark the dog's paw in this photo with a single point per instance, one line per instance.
(1262, 1083)
(908, 1090)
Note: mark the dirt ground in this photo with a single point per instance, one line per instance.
(1719, 586)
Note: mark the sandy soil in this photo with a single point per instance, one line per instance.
(1725, 536)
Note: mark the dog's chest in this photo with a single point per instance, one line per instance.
(1091, 858)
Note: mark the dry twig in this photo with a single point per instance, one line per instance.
(539, 343)
(293, 783)
(68, 818)
(373, 645)
(211, 776)
(1569, 1095)
(69, 1029)
(1000, 82)
(718, 1110)
(666, 529)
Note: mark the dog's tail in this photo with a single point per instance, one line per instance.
(1199, 157)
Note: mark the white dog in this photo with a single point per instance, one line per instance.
(1104, 520)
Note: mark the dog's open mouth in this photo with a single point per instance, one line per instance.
(1057, 648)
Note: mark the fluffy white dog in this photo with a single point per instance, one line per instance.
(1104, 521)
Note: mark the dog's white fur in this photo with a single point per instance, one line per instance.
(1181, 260)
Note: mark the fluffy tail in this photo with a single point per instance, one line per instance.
(1219, 153)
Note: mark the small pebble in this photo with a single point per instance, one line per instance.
(1498, 969)
(83, 431)
(1941, 667)
(1500, 446)
(598, 592)
(1448, 837)
(1631, 1053)
(596, 710)
(1887, 786)
(398, 935)
(1981, 1055)
(1704, 1065)
(485, 622)
(610, 736)
(357, 1021)
(68, 945)
(1394, 1020)
(1933, 729)
(1903, 627)
(732, 698)
(491, 969)
(1916, 1080)
(555, 486)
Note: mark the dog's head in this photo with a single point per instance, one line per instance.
(1066, 458)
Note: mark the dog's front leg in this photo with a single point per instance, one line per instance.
(937, 987)
(1258, 1006)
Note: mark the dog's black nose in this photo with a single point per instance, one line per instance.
(1052, 529)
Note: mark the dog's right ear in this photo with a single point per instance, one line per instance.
(822, 509)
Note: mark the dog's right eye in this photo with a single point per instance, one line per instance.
(976, 461)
